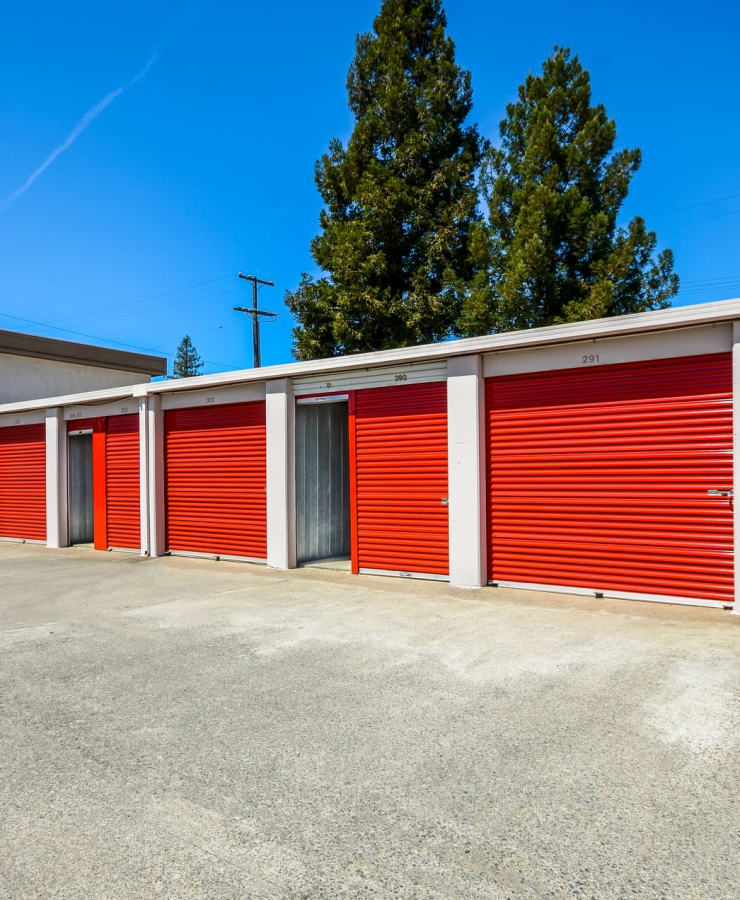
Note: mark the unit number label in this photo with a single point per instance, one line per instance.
(401, 377)
(589, 358)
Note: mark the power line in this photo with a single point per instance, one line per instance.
(84, 334)
(730, 212)
(212, 362)
(178, 303)
(716, 197)
(129, 303)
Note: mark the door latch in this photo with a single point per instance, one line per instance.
(716, 493)
(445, 501)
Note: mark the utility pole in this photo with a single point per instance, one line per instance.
(254, 314)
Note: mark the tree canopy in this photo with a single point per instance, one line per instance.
(187, 360)
(428, 232)
(400, 198)
(554, 188)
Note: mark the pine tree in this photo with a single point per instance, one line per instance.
(399, 200)
(187, 361)
(554, 188)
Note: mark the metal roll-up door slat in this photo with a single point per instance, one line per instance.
(123, 509)
(599, 478)
(401, 478)
(215, 476)
(23, 482)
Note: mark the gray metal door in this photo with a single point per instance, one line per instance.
(322, 481)
(80, 489)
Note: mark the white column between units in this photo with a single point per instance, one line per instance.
(736, 457)
(57, 531)
(155, 475)
(280, 435)
(144, 474)
(466, 464)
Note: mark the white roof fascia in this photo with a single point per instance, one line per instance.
(636, 323)
(105, 394)
(657, 320)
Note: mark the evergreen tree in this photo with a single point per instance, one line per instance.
(554, 188)
(399, 199)
(187, 361)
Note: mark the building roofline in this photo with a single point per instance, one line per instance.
(17, 343)
(636, 323)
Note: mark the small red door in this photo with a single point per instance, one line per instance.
(23, 482)
(400, 475)
(215, 479)
(599, 478)
(122, 485)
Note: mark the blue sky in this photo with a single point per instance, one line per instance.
(203, 167)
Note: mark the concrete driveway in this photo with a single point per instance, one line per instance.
(198, 729)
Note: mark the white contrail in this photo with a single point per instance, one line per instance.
(86, 120)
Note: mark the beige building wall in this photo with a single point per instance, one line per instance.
(27, 378)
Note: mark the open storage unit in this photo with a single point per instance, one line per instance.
(104, 485)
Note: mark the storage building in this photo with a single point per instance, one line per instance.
(594, 457)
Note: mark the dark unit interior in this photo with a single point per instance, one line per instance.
(322, 481)
(80, 489)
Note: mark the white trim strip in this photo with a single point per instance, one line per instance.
(218, 557)
(424, 576)
(619, 595)
(610, 350)
(234, 393)
(35, 417)
(373, 376)
(93, 410)
(107, 394)
(12, 540)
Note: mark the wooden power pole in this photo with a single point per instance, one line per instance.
(254, 315)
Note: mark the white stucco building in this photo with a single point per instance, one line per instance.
(32, 367)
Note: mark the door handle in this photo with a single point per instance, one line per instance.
(717, 493)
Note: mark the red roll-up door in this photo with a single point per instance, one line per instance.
(400, 448)
(598, 478)
(215, 469)
(122, 486)
(23, 482)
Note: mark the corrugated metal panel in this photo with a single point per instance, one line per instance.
(322, 481)
(401, 478)
(23, 482)
(598, 478)
(370, 377)
(80, 483)
(215, 477)
(123, 509)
